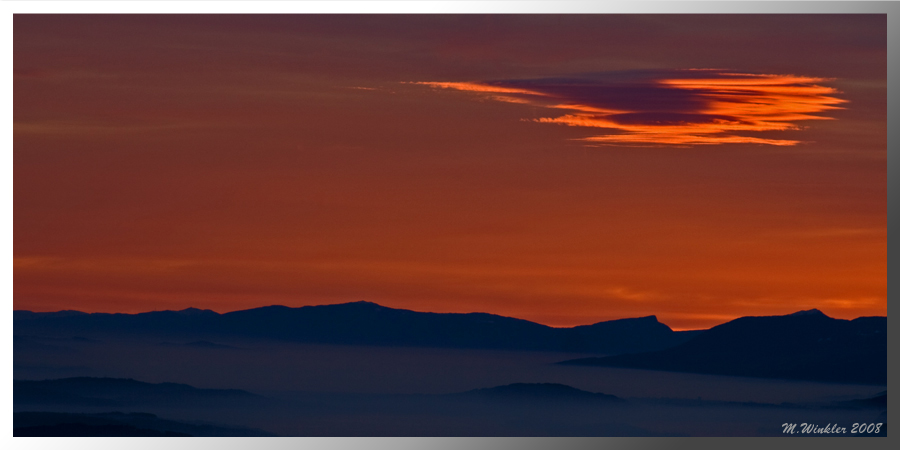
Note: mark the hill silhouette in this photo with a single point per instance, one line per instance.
(804, 346)
(879, 401)
(89, 391)
(540, 392)
(360, 323)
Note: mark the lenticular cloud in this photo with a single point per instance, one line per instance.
(669, 108)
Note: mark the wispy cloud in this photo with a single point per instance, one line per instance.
(670, 108)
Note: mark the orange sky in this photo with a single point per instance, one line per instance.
(427, 163)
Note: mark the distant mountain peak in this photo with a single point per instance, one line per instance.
(363, 303)
(271, 307)
(809, 312)
(546, 391)
(191, 311)
(25, 314)
(357, 304)
(646, 320)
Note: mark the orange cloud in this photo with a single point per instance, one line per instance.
(671, 108)
(479, 87)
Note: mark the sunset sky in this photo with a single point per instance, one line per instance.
(564, 169)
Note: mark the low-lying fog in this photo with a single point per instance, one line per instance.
(351, 390)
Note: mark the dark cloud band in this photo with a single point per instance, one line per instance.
(670, 108)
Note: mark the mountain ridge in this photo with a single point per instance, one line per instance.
(363, 323)
(108, 391)
(809, 346)
(367, 323)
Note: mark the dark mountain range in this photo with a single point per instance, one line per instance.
(199, 344)
(88, 391)
(879, 401)
(629, 335)
(359, 323)
(804, 346)
(532, 392)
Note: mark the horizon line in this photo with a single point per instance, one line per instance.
(813, 310)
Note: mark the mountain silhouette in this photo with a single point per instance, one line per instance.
(89, 391)
(804, 346)
(540, 392)
(879, 401)
(808, 312)
(360, 323)
(628, 335)
(199, 344)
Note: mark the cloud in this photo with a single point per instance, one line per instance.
(670, 107)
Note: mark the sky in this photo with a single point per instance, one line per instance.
(564, 169)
